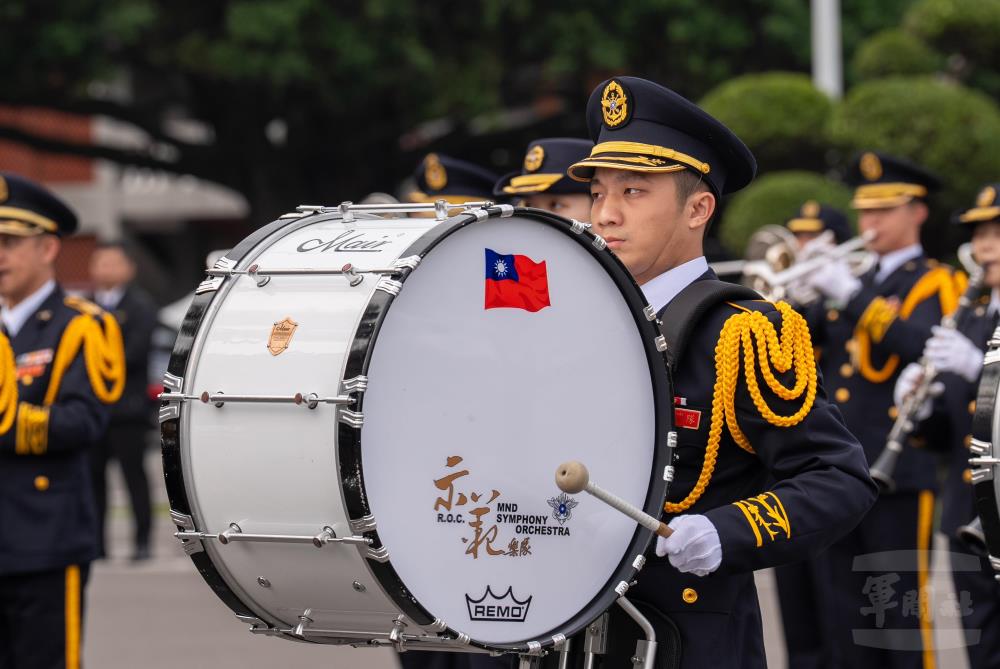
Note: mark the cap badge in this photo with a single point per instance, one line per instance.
(987, 196)
(3, 189)
(434, 172)
(810, 209)
(614, 104)
(871, 167)
(533, 159)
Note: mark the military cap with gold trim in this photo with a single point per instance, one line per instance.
(28, 209)
(645, 127)
(882, 181)
(441, 177)
(816, 217)
(544, 169)
(986, 209)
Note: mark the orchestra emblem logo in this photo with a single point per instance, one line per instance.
(562, 507)
(986, 197)
(614, 104)
(434, 172)
(281, 335)
(871, 167)
(533, 159)
(505, 608)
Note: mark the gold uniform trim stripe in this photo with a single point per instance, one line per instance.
(750, 521)
(881, 196)
(925, 516)
(805, 225)
(420, 197)
(979, 214)
(532, 183)
(28, 216)
(650, 150)
(72, 615)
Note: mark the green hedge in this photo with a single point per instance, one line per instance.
(773, 199)
(779, 115)
(953, 130)
(894, 52)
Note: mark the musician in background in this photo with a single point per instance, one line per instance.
(441, 177)
(112, 270)
(814, 219)
(542, 182)
(800, 590)
(869, 328)
(957, 355)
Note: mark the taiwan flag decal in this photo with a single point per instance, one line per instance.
(515, 281)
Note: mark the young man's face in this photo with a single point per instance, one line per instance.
(110, 268)
(803, 238)
(986, 251)
(639, 216)
(575, 206)
(25, 264)
(895, 227)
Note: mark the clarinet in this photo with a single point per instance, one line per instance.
(906, 422)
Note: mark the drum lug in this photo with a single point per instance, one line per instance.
(579, 226)
(355, 384)
(396, 634)
(639, 562)
(409, 262)
(388, 285)
(186, 524)
(649, 312)
(362, 525)
(981, 475)
(262, 280)
(599, 243)
(380, 554)
(437, 626)
(208, 285)
(506, 210)
(353, 278)
(661, 343)
(352, 418)
(979, 447)
(171, 384)
(480, 214)
(304, 622)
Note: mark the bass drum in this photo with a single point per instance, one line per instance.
(984, 462)
(365, 416)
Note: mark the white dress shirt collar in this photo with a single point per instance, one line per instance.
(15, 318)
(663, 288)
(893, 260)
(109, 299)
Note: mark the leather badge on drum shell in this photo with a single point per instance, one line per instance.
(281, 335)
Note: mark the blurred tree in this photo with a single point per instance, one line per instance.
(781, 116)
(774, 198)
(965, 31)
(305, 100)
(894, 52)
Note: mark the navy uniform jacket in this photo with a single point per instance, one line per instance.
(47, 514)
(868, 405)
(819, 490)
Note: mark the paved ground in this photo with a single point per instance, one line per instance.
(160, 614)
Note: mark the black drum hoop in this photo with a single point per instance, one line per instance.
(984, 489)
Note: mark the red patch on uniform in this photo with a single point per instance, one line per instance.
(689, 419)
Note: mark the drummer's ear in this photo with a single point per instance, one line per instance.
(699, 208)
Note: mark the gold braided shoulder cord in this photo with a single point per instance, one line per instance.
(8, 385)
(879, 315)
(794, 348)
(103, 353)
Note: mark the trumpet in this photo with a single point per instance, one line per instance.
(774, 285)
(771, 244)
(885, 465)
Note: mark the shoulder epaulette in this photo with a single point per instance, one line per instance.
(750, 336)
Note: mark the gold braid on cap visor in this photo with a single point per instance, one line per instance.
(887, 194)
(27, 216)
(532, 183)
(644, 157)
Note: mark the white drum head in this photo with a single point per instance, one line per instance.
(469, 411)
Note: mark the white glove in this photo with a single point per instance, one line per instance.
(834, 280)
(693, 547)
(907, 382)
(951, 351)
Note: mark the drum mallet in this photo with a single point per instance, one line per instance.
(573, 477)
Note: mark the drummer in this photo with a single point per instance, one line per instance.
(542, 182)
(657, 172)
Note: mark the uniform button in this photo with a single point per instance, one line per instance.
(850, 346)
(967, 441)
(967, 476)
(980, 311)
(894, 412)
(27, 379)
(832, 315)
(842, 394)
(690, 596)
(910, 266)
(41, 483)
(972, 406)
(847, 370)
